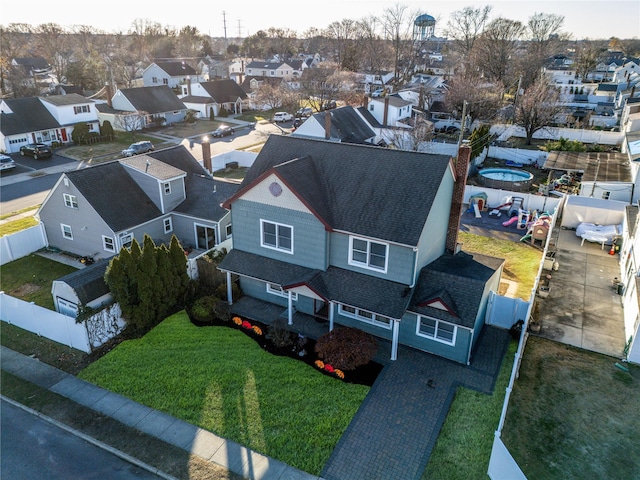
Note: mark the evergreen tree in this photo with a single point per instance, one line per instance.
(212, 117)
(178, 266)
(146, 311)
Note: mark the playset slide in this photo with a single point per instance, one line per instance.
(510, 221)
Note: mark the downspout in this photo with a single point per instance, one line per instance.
(415, 267)
(290, 308)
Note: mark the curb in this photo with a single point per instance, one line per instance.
(91, 440)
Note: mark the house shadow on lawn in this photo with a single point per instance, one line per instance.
(272, 339)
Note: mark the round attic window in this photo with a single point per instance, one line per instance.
(275, 189)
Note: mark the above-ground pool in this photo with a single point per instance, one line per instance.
(505, 179)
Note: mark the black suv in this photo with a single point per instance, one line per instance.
(138, 148)
(36, 150)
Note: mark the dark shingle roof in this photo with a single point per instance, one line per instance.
(607, 87)
(180, 158)
(346, 125)
(459, 281)
(369, 118)
(29, 115)
(114, 195)
(336, 284)
(69, 99)
(152, 100)
(196, 99)
(28, 63)
(176, 68)
(88, 282)
(202, 201)
(372, 191)
(224, 91)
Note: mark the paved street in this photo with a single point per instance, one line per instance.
(38, 450)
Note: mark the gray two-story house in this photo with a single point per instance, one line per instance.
(98, 210)
(360, 236)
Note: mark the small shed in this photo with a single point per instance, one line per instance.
(84, 287)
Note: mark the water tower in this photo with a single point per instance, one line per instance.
(423, 28)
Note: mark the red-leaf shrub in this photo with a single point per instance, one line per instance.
(346, 348)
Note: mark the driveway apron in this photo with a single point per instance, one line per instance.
(393, 433)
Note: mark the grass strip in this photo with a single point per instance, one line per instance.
(167, 458)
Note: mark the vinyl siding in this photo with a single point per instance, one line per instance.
(309, 235)
(458, 352)
(400, 263)
(184, 229)
(86, 225)
(431, 244)
(154, 189)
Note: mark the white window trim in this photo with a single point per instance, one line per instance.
(274, 289)
(166, 188)
(370, 321)
(70, 201)
(366, 265)
(104, 243)
(277, 247)
(126, 239)
(434, 337)
(64, 235)
(168, 225)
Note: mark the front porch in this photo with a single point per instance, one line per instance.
(265, 312)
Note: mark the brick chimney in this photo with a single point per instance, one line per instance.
(206, 155)
(327, 125)
(461, 167)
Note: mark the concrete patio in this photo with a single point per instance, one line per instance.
(583, 308)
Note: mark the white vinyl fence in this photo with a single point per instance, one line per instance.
(91, 333)
(501, 463)
(44, 322)
(497, 197)
(21, 244)
(503, 312)
(504, 132)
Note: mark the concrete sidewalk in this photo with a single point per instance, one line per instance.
(190, 438)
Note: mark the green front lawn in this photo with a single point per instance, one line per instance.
(17, 225)
(221, 380)
(29, 278)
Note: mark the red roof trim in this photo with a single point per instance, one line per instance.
(428, 303)
(305, 284)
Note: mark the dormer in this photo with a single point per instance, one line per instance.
(163, 183)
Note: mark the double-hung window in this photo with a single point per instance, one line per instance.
(437, 330)
(276, 236)
(166, 187)
(368, 254)
(108, 244)
(66, 231)
(70, 201)
(168, 226)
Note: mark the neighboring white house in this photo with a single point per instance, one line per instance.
(390, 110)
(172, 74)
(71, 109)
(268, 69)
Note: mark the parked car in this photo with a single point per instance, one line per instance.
(36, 150)
(222, 131)
(377, 93)
(282, 117)
(138, 148)
(297, 122)
(304, 112)
(329, 105)
(6, 163)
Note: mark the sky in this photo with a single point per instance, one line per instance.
(583, 18)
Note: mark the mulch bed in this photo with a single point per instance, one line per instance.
(302, 350)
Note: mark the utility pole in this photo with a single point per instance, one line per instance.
(224, 23)
(515, 98)
(463, 123)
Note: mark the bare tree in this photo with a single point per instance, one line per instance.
(274, 97)
(538, 107)
(588, 53)
(495, 48)
(397, 24)
(464, 27)
(319, 85)
(54, 44)
(483, 98)
(543, 34)
(12, 45)
(130, 122)
(343, 35)
(414, 138)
